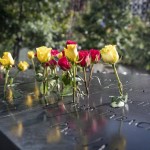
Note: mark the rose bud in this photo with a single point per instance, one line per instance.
(84, 59)
(52, 63)
(70, 42)
(43, 54)
(64, 63)
(54, 52)
(95, 55)
(31, 54)
(7, 60)
(110, 54)
(23, 65)
(71, 51)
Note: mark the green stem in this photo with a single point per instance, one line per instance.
(57, 80)
(33, 65)
(90, 77)
(85, 81)
(120, 127)
(45, 81)
(11, 81)
(74, 82)
(119, 82)
(16, 74)
(6, 81)
(47, 78)
(70, 74)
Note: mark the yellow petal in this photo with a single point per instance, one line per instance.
(8, 56)
(23, 65)
(30, 54)
(71, 52)
(109, 54)
(7, 59)
(43, 54)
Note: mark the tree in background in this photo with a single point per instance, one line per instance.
(112, 22)
(33, 23)
(106, 22)
(26, 23)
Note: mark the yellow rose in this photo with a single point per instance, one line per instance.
(43, 54)
(54, 135)
(60, 55)
(7, 59)
(30, 54)
(18, 129)
(109, 54)
(29, 101)
(71, 52)
(23, 65)
(9, 95)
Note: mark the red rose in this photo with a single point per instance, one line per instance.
(95, 55)
(63, 52)
(52, 63)
(54, 52)
(64, 63)
(84, 59)
(70, 42)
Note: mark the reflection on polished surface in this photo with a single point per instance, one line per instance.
(118, 143)
(36, 91)
(29, 101)
(90, 124)
(54, 136)
(9, 95)
(17, 129)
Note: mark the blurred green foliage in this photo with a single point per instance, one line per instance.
(92, 23)
(26, 23)
(112, 22)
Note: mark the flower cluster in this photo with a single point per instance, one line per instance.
(8, 62)
(70, 60)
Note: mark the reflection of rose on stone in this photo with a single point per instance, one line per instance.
(54, 135)
(72, 124)
(62, 107)
(86, 116)
(118, 142)
(17, 130)
(9, 95)
(36, 91)
(93, 124)
(87, 123)
(96, 125)
(29, 101)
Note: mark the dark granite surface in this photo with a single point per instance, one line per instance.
(90, 125)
